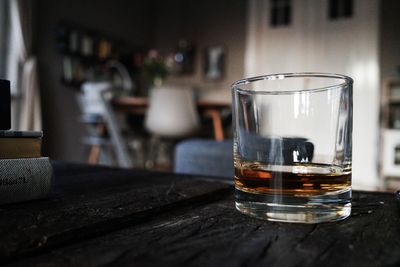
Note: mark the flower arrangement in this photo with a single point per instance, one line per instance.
(155, 67)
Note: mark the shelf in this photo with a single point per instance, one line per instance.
(390, 102)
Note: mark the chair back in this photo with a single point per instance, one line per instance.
(90, 99)
(172, 112)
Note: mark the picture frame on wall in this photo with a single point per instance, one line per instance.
(214, 63)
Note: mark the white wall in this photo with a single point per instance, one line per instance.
(314, 43)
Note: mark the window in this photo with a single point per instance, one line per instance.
(339, 9)
(280, 13)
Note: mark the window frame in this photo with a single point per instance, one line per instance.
(280, 13)
(4, 36)
(340, 9)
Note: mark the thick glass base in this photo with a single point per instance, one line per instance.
(296, 209)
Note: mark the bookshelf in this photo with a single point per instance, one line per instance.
(86, 55)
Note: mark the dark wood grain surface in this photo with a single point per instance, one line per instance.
(102, 216)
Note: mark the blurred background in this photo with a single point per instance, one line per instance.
(123, 82)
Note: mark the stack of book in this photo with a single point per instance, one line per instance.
(24, 173)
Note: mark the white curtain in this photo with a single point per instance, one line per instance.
(22, 67)
(313, 42)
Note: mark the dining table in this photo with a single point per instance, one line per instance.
(105, 216)
(208, 108)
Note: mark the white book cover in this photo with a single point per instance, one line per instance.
(25, 179)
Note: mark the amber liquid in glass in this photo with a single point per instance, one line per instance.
(297, 180)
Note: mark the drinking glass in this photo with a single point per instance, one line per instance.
(293, 146)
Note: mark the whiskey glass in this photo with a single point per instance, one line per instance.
(293, 146)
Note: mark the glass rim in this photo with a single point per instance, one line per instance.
(280, 76)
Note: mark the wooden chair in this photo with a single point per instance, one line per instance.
(99, 116)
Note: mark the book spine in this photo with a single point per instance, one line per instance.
(25, 179)
(21, 134)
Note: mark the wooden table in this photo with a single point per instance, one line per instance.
(212, 109)
(101, 216)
